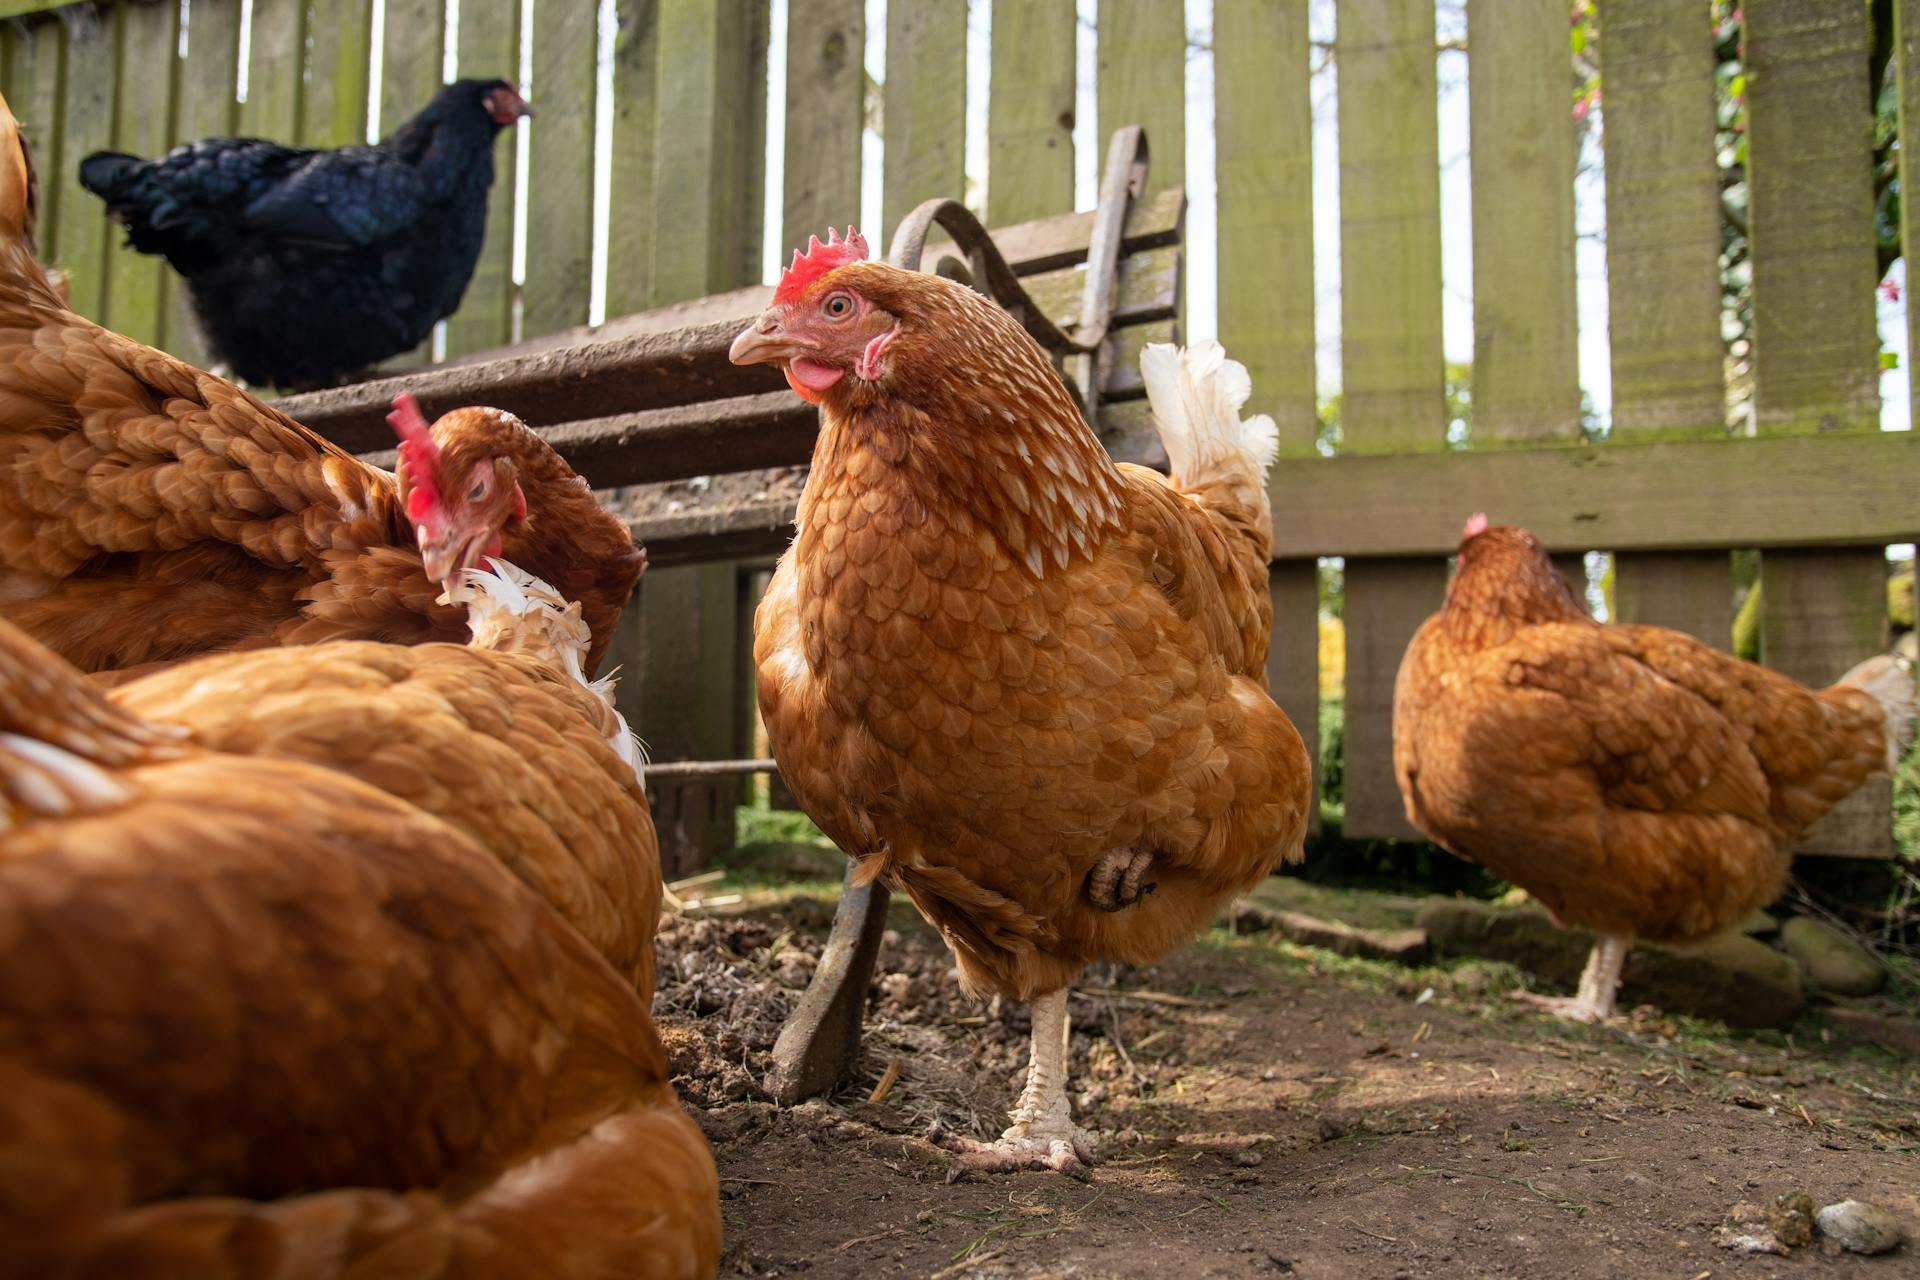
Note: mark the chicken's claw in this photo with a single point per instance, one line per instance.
(1114, 884)
(1573, 1008)
(1063, 1147)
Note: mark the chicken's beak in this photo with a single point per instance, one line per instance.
(765, 342)
(447, 558)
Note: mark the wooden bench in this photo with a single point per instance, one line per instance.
(708, 457)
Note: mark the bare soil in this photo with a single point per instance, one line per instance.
(1263, 1109)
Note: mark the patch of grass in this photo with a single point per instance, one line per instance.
(758, 824)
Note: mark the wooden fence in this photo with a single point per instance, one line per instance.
(1818, 488)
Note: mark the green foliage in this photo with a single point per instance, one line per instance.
(1333, 741)
(758, 823)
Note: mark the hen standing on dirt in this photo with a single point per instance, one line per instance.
(1017, 680)
(306, 266)
(1637, 782)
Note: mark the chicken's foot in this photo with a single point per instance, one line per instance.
(1043, 1134)
(1115, 881)
(1599, 982)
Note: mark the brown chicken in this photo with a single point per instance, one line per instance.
(258, 1019)
(151, 512)
(1020, 682)
(1637, 782)
(502, 738)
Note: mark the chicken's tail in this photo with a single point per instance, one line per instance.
(1216, 456)
(1888, 682)
(511, 611)
(61, 739)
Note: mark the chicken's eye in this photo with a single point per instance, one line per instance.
(479, 489)
(838, 306)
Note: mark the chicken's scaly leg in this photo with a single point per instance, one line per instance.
(1599, 982)
(1043, 1134)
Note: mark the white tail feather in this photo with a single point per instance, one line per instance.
(511, 611)
(1891, 685)
(1196, 394)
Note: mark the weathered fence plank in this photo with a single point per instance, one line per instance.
(1263, 122)
(1526, 380)
(636, 49)
(1781, 491)
(1030, 108)
(706, 195)
(709, 145)
(275, 56)
(1391, 357)
(35, 52)
(489, 46)
(560, 169)
(86, 125)
(205, 106)
(137, 283)
(826, 94)
(1907, 35)
(333, 106)
(924, 106)
(410, 66)
(1142, 58)
(1816, 349)
(1663, 280)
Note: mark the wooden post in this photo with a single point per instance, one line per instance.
(149, 41)
(1393, 368)
(1264, 147)
(680, 697)
(924, 106)
(1663, 281)
(560, 169)
(490, 46)
(1816, 349)
(1030, 111)
(826, 96)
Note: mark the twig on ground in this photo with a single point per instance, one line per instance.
(975, 1261)
(887, 1080)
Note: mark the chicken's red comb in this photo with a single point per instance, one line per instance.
(1476, 525)
(818, 260)
(419, 452)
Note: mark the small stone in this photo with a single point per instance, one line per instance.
(1247, 1159)
(1331, 1125)
(1836, 963)
(1745, 1242)
(1859, 1227)
(1790, 1217)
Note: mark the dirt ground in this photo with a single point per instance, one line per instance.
(1264, 1109)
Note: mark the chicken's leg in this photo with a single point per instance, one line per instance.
(1599, 981)
(1043, 1134)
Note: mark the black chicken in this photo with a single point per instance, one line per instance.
(306, 266)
